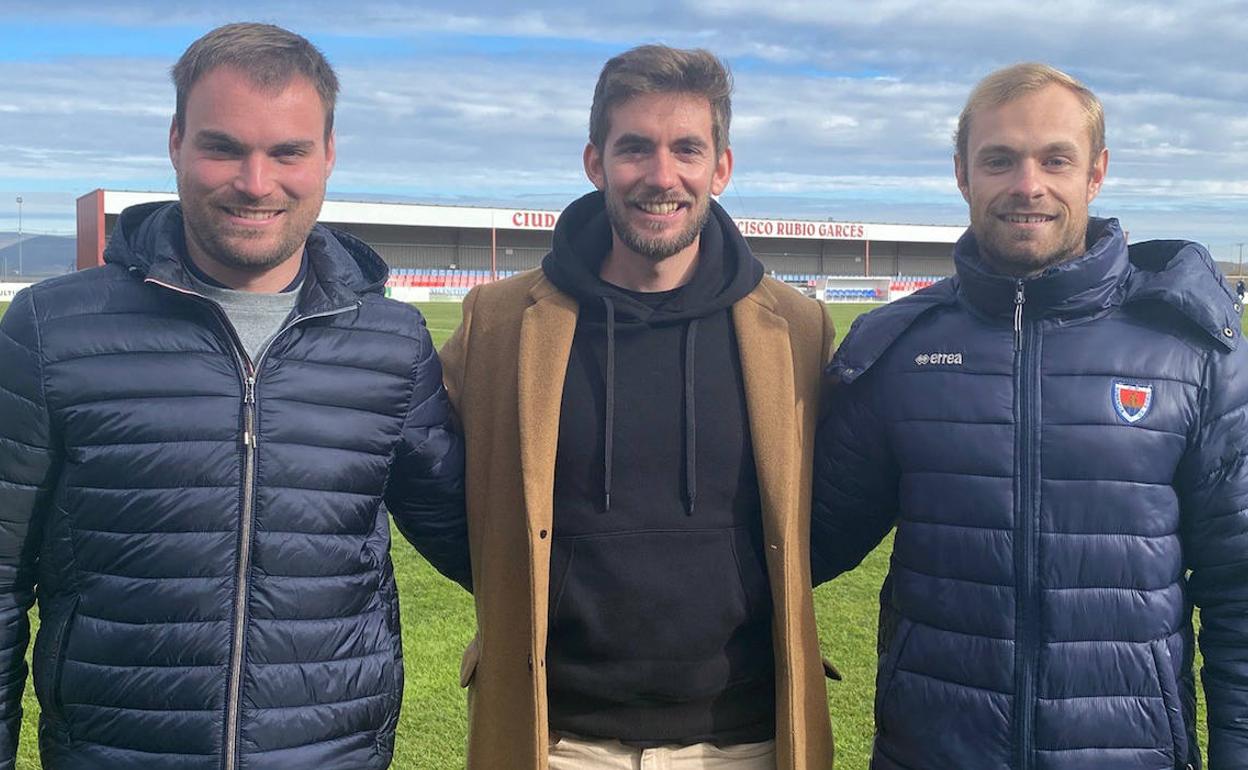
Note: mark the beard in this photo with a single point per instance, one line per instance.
(655, 246)
(245, 249)
(1023, 255)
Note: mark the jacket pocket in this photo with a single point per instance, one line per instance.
(1167, 681)
(49, 655)
(830, 670)
(894, 646)
(468, 662)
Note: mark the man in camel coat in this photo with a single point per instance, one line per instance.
(639, 416)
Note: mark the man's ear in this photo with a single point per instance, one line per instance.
(723, 172)
(331, 154)
(175, 142)
(960, 173)
(1096, 176)
(594, 167)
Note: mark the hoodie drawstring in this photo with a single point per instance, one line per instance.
(609, 420)
(691, 425)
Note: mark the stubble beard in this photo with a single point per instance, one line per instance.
(222, 244)
(1014, 256)
(655, 248)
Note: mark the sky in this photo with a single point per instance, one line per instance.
(841, 110)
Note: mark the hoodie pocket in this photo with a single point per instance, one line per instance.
(658, 613)
(1167, 681)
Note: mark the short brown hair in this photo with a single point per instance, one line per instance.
(1006, 85)
(269, 55)
(651, 69)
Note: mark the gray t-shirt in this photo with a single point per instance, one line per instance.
(256, 317)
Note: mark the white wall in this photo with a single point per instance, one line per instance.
(7, 290)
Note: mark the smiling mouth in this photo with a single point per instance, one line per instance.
(256, 215)
(1027, 219)
(658, 207)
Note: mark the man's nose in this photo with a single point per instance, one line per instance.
(662, 171)
(255, 178)
(1027, 182)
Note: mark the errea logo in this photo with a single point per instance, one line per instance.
(936, 359)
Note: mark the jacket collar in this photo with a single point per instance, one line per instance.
(1083, 286)
(149, 241)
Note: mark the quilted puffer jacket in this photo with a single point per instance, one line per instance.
(213, 574)
(1063, 458)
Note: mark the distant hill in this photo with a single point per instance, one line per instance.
(41, 255)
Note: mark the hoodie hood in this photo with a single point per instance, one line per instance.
(150, 241)
(726, 270)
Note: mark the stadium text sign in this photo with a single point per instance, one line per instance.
(787, 228)
(764, 228)
(534, 220)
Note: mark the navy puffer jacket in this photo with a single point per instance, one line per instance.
(213, 574)
(1056, 454)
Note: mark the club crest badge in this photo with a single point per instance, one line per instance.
(1132, 400)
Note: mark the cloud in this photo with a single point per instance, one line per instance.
(843, 105)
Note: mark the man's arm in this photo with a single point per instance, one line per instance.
(855, 482)
(455, 351)
(28, 465)
(829, 347)
(1213, 488)
(425, 491)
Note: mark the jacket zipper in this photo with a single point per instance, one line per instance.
(250, 440)
(1026, 529)
(238, 628)
(248, 373)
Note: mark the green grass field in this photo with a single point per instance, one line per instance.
(438, 622)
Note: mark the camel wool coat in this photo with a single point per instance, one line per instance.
(504, 370)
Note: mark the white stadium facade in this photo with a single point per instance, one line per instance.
(439, 252)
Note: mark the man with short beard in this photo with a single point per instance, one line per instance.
(639, 414)
(195, 442)
(1057, 432)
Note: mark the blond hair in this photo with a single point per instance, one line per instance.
(1008, 84)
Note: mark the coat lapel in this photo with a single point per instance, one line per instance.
(767, 367)
(545, 344)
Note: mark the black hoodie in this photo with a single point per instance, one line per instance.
(660, 609)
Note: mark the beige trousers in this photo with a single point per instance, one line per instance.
(571, 753)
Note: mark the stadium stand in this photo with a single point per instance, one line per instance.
(454, 283)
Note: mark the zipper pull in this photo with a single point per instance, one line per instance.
(1018, 315)
(249, 400)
